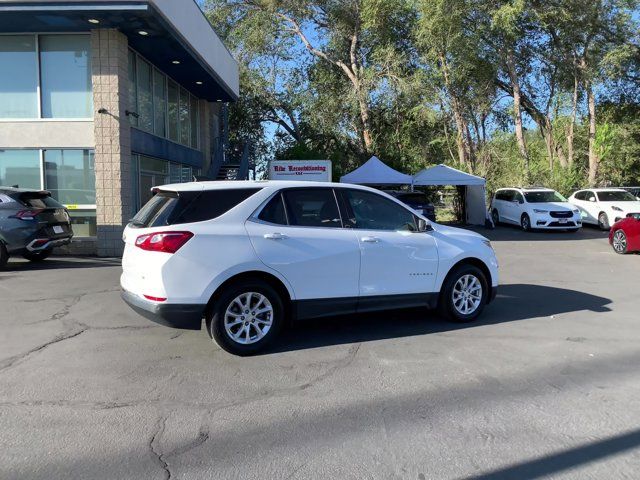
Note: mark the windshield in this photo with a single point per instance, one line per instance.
(544, 197)
(616, 196)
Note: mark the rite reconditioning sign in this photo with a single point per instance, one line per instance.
(309, 170)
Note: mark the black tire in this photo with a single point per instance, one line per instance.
(619, 242)
(446, 307)
(603, 221)
(525, 223)
(495, 216)
(4, 255)
(37, 256)
(216, 318)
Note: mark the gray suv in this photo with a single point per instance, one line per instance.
(31, 224)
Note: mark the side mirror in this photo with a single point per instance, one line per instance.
(424, 226)
(592, 199)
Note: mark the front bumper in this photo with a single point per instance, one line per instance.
(542, 221)
(185, 316)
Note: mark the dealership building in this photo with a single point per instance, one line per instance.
(102, 100)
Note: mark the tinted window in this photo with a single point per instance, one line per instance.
(616, 196)
(313, 207)
(517, 196)
(506, 195)
(170, 208)
(580, 196)
(38, 200)
(273, 212)
(368, 211)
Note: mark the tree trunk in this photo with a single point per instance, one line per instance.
(461, 126)
(572, 123)
(594, 161)
(367, 137)
(517, 112)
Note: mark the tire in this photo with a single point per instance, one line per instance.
(619, 242)
(495, 216)
(603, 221)
(37, 256)
(4, 255)
(525, 223)
(227, 318)
(452, 309)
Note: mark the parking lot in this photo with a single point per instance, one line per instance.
(545, 384)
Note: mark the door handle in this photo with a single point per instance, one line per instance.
(275, 236)
(370, 239)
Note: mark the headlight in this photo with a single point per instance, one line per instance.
(616, 209)
(535, 210)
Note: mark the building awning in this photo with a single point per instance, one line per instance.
(176, 31)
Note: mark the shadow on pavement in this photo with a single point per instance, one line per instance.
(508, 233)
(53, 263)
(514, 302)
(557, 462)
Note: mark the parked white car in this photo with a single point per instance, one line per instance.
(247, 255)
(604, 206)
(534, 208)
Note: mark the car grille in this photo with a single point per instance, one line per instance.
(562, 214)
(558, 224)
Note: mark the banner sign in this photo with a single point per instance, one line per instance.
(307, 170)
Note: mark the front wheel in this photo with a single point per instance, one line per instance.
(246, 318)
(619, 242)
(525, 223)
(464, 294)
(495, 216)
(603, 221)
(4, 255)
(37, 256)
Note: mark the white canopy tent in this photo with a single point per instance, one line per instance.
(375, 172)
(475, 195)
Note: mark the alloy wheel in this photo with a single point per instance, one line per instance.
(526, 225)
(620, 242)
(467, 294)
(248, 318)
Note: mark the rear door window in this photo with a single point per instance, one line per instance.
(312, 207)
(174, 208)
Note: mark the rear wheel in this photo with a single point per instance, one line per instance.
(464, 294)
(4, 255)
(246, 317)
(525, 222)
(603, 221)
(37, 256)
(619, 242)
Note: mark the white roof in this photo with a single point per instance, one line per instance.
(443, 175)
(376, 172)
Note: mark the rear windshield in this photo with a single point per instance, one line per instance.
(614, 196)
(38, 200)
(544, 197)
(171, 208)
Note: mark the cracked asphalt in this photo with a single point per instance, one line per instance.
(545, 385)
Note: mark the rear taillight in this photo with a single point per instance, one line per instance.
(154, 299)
(168, 242)
(27, 214)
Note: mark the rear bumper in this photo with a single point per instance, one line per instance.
(40, 244)
(175, 315)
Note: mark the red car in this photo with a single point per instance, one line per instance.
(624, 235)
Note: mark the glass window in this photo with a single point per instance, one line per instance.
(313, 207)
(145, 92)
(175, 173)
(368, 211)
(544, 197)
(616, 196)
(83, 223)
(184, 117)
(273, 212)
(518, 197)
(18, 77)
(194, 121)
(133, 97)
(66, 76)
(70, 176)
(173, 95)
(159, 103)
(20, 168)
(153, 165)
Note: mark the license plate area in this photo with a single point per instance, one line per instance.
(563, 220)
(58, 229)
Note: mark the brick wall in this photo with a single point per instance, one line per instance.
(109, 69)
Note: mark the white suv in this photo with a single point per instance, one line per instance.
(605, 206)
(534, 208)
(245, 256)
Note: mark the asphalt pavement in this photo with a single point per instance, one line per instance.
(545, 385)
